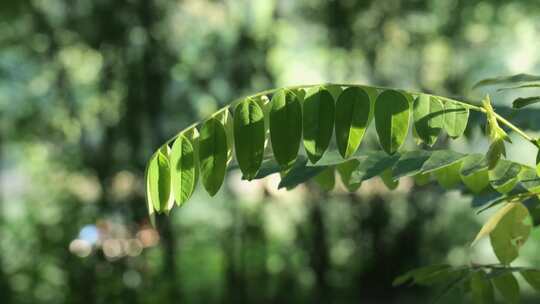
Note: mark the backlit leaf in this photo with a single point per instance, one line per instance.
(285, 127)
(392, 115)
(493, 221)
(249, 135)
(529, 179)
(226, 120)
(352, 119)
(318, 123)
(456, 117)
(389, 182)
(184, 170)
(428, 113)
(213, 151)
(158, 181)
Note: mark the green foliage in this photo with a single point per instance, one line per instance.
(285, 127)
(213, 155)
(428, 118)
(353, 113)
(184, 166)
(311, 113)
(318, 123)
(249, 137)
(392, 115)
(522, 102)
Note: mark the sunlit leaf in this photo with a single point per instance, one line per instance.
(392, 115)
(510, 233)
(522, 102)
(318, 123)
(249, 134)
(422, 179)
(504, 176)
(213, 151)
(352, 119)
(285, 127)
(184, 170)
(481, 288)
(420, 274)
(326, 179)
(507, 80)
(428, 113)
(448, 177)
(456, 117)
(508, 287)
(474, 172)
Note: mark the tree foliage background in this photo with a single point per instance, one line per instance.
(88, 89)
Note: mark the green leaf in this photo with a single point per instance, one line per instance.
(495, 152)
(371, 164)
(474, 172)
(522, 86)
(326, 179)
(184, 170)
(410, 163)
(493, 221)
(538, 161)
(335, 90)
(249, 135)
(318, 123)
(285, 127)
(525, 101)
(448, 177)
(507, 79)
(386, 177)
(529, 179)
(345, 171)
(456, 117)
(532, 277)
(510, 233)
(352, 119)
(428, 113)
(503, 177)
(158, 182)
(298, 174)
(213, 150)
(508, 287)
(226, 120)
(481, 288)
(440, 159)
(392, 115)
